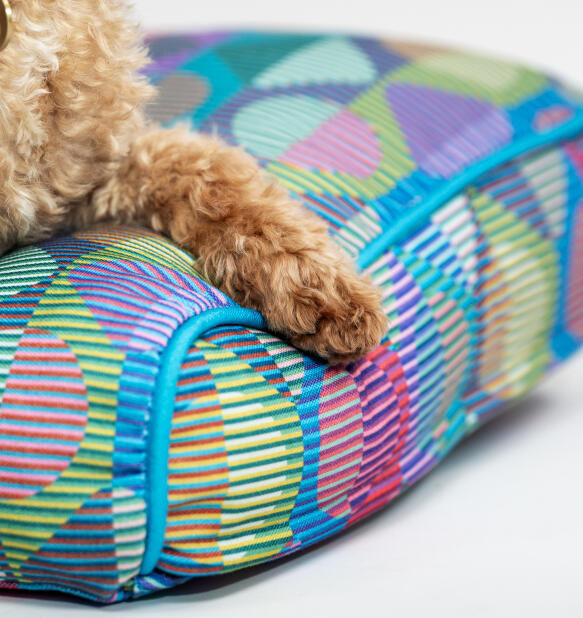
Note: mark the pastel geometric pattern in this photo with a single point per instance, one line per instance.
(499, 82)
(152, 431)
(43, 413)
(328, 60)
(468, 128)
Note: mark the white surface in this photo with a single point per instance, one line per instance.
(545, 33)
(496, 530)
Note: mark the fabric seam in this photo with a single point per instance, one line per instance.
(408, 224)
(158, 438)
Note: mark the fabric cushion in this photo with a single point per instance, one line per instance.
(152, 431)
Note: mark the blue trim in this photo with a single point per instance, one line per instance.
(166, 383)
(411, 222)
(161, 418)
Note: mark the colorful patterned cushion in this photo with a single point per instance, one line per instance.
(152, 431)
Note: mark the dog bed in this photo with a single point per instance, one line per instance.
(152, 431)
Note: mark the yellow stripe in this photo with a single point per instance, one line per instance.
(65, 311)
(175, 517)
(48, 504)
(60, 488)
(93, 446)
(254, 556)
(90, 476)
(80, 337)
(32, 534)
(252, 529)
(269, 424)
(90, 461)
(109, 369)
(35, 519)
(231, 368)
(104, 401)
(102, 416)
(96, 431)
(12, 555)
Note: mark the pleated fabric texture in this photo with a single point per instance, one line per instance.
(151, 431)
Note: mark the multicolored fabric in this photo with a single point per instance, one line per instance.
(365, 132)
(83, 324)
(152, 431)
(271, 451)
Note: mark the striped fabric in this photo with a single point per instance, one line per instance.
(361, 130)
(81, 336)
(152, 431)
(471, 299)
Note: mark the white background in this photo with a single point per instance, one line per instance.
(497, 529)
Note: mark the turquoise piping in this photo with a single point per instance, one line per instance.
(166, 383)
(410, 223)
(158, 446)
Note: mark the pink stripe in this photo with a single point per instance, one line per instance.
(17, 383)
(24, 447)
(71, 371)
(46, 401)
(14, 492)
(52, 417)
(31, 431)
(40, 478)
(453, 318)
(444, 309)
(333, 148)
(44, 355)
(456, 334)
(436, 298)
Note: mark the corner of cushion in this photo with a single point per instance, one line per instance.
(158, 441)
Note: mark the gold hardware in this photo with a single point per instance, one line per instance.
(5, 23)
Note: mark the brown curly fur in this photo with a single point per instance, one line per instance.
(75, 150)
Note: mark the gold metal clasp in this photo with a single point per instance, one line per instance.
(5, 23)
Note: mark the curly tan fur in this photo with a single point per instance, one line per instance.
(75, 149)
